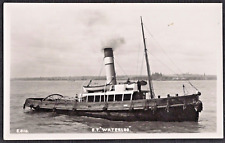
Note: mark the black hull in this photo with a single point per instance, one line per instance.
(162, 114)
(179, 108)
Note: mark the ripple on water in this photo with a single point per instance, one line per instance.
(49, 122)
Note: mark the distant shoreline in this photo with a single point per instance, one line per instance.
(155, 77)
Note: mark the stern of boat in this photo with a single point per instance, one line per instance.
(33, 103)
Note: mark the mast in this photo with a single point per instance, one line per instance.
(147, 63)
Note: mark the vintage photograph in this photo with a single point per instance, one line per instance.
(112, 71)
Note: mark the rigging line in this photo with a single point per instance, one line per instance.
(187, 80)
(142, 63)
(142, 68)
(94, 78)
(139, 47)
(164, 64)
(170, 58)
(101, 69)
(175, 72)
(121, 68)
(163, 50)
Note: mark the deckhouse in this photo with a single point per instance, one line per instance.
(120, 92)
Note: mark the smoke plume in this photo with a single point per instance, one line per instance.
(114, 43)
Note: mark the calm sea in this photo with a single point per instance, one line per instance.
(50, 122)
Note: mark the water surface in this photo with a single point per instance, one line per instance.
(49, 122)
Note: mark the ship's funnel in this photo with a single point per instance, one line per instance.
(109, 66)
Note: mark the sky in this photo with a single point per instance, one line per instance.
(67, 39)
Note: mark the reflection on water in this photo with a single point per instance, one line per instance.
(50, 122)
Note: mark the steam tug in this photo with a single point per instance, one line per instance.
(122, 102)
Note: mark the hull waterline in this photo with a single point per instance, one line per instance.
(183, 108)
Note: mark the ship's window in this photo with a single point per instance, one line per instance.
(137, 96)
(110, 97)
(84, 99)
(102, 98)
(126, 97)
(106, 98)
(118, 97)
(90, 98)
(97, 98)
